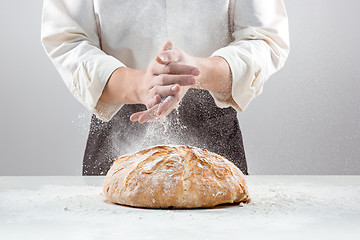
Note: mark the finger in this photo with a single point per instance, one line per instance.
(182, 80)
(155, 100)
(165, 91)
(149, 115)
(171, 56)
(145, 116)
(135, 117)
(175, 69)
(168, 45)
(160, 60)
(167, 106)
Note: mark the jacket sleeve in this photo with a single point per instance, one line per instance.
(259, 48)
(70, 37)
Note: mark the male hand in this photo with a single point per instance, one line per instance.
(169, 81)
(215, 76)
(162, 80)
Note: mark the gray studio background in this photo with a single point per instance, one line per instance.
(307, 121)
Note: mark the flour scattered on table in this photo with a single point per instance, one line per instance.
(276, 206)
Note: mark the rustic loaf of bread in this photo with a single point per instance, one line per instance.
(174, 177)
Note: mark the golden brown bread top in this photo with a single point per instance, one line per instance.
(174, 176)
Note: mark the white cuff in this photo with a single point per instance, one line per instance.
(92, 76)
(243, 89)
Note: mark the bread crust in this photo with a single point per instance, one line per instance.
(174, 177)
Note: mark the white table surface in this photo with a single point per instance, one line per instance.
(282, 207)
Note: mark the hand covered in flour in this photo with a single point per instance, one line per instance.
(158, 82)
(166, 82)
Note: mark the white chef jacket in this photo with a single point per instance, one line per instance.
(88, 39)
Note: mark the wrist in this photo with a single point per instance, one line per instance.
(203, 65)
(122, 86)
(215, 74)
(138, 78)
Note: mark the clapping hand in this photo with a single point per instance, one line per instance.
(166, 83)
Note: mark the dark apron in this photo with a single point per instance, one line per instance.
(197, 122)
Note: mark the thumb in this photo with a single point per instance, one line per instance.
(167, 46)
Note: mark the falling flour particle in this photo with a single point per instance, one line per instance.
(82, 122)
